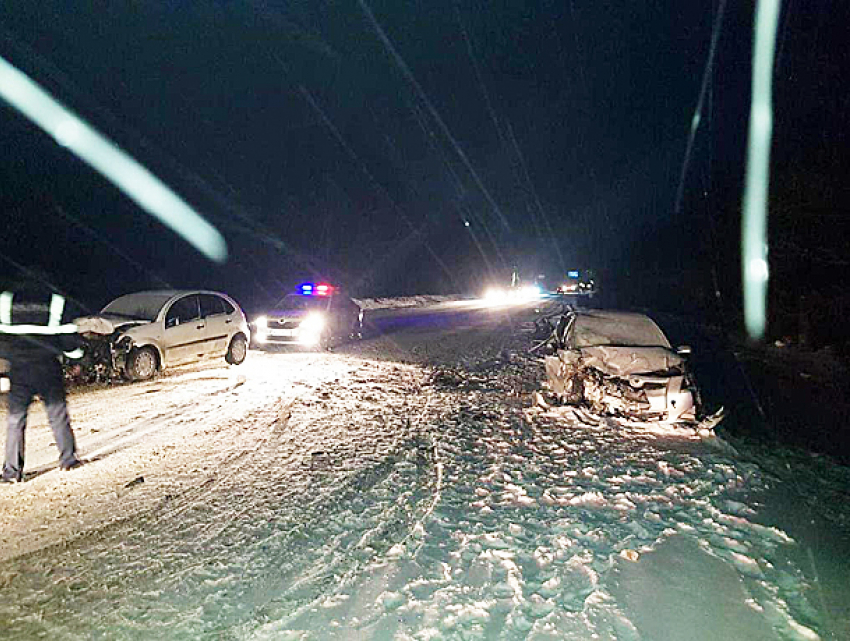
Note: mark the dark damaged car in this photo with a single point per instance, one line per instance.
(139, 334)
(621, 364)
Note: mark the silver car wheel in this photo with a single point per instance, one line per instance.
(237, 351)
(142, 364)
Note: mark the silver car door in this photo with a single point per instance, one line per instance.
(184, 333)
(219, 326)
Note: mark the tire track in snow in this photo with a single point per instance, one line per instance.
(270, 526)
(536, 511)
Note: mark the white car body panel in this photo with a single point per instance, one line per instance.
(176, 344)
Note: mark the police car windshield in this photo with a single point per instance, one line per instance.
(141, 306)
(297, 302)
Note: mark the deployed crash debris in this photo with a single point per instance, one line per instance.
(622, 364)
(508, 373)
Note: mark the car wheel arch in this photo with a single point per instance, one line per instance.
(133, 353)
(229, 357)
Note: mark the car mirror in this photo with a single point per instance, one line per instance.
(683, 350)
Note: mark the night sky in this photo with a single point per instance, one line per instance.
(557, 129)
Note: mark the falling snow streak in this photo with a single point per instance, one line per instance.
(461, 193)
(697, 119)
(433, 111)
(754, 222)
(140, 185)
(308, 97)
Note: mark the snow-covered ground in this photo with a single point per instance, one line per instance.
(407, 488)
(398, 302)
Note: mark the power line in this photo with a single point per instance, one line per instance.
(537, 198)
(59, 210)
(695, 121)
(353, 155)
(432, 110)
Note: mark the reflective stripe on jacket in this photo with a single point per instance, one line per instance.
(33, 330)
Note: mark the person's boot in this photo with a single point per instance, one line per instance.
(67, 467)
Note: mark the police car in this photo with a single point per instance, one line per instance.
(315, 315)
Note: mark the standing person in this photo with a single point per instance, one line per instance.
(33, 336)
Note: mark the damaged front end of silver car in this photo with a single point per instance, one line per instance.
(105, 349)
(648, 381)
(581, 377)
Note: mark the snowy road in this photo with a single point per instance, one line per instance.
(405, 488)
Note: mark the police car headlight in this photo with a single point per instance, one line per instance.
(261, 329)
(313, 324)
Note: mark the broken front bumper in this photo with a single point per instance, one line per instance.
(645, 397)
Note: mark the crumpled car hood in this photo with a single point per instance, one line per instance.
(105, 324)
(629, 361)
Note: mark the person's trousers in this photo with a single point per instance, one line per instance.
(44, 380)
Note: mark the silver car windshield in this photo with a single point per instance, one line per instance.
(141, 306)
(617, 329)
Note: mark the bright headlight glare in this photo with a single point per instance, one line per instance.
(313, 323)
(309, 338)
(532, 291)
(262, 321)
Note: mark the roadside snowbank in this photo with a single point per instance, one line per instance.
(406, 301)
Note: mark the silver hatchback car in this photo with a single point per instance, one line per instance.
(139, 334)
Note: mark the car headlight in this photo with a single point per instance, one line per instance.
(531, 292)
(262, 322)
(313, 323)
(494, 295)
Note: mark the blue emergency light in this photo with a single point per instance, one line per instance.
(310, 289)
(572, 274)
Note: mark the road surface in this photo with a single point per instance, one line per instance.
(406, 487)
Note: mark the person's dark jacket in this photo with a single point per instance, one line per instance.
(35, 327)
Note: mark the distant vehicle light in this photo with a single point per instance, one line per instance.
(573, 274)
(530, 292)
(493, 293)
(512, 295)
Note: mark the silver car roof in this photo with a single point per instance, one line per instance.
(599, 327)
(147, 304)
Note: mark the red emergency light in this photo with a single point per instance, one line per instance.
(309, 289)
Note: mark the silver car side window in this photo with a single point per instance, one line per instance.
(182, 311)
(211, 305)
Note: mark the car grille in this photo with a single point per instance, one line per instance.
(282, 324)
